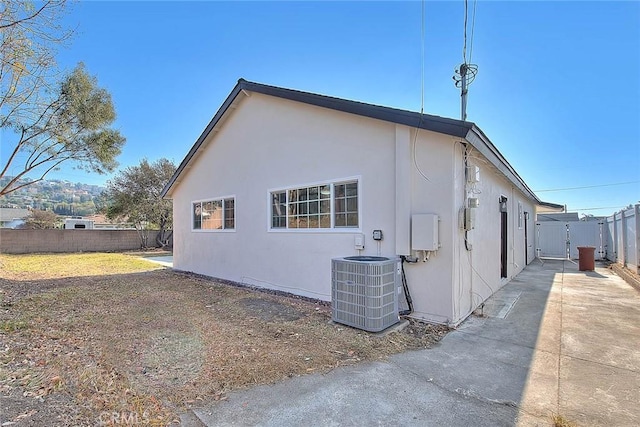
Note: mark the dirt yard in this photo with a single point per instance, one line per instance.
(87, 336)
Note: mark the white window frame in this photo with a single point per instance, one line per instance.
(216, 230)
(333, 228)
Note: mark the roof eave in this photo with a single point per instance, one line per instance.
(167, 190)
(409, 118)
(456, 128)
(429, 122)
(557, 207)
(480, 142)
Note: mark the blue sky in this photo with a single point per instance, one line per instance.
(557, 89)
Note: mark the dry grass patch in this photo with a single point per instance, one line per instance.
(154, 343)
(49, 266)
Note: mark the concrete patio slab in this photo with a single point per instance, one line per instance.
(377, 394)
(596, 394)
(165, 260)
(540, 393)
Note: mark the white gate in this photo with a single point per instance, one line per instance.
(552, 239)
(560, 239)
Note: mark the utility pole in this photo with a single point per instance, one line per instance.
(466, 73)
(463, 93)
(464, 76)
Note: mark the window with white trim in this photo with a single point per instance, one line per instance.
(345, 199)
(216, 214)
(321, 206)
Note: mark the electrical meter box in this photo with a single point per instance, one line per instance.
(473, 174)
(469, 219)
(424, 232)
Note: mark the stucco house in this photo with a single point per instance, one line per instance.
(13, 217)
(282, 181)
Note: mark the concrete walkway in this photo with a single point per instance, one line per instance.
(554, 341)
(165, 260)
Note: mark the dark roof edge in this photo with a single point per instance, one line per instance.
(214, 121)
(447, 126)
(409, 118)
(480, 142)
(429, 122)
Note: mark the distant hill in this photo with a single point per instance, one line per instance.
(62, 197)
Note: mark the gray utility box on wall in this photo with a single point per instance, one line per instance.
(424, 232)
(364, 292)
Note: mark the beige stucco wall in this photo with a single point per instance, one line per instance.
(432, 191)
(454, 281)
(478, 270)
(270, 143)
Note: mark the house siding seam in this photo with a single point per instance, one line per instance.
(402, 196)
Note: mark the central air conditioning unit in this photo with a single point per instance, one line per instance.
(364, 292)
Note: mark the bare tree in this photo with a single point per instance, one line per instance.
(41, 220)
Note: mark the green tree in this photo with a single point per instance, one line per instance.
(39, 220)
(47, 120)
(134, 195)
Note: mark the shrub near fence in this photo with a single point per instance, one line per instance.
(623, 238)
(54, 240)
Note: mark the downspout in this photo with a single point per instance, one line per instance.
(514, 221)
(465, 195)
(455, 250)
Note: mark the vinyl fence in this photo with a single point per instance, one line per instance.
(623, 238)
(616, 238)
(561, 239)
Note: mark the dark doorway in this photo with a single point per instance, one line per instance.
(503, 237)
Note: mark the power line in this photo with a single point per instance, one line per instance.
(422, 52)
(588, 186)
(466, 25)
(415, 137)
(464, 45)
(473, 26)
(598, 208)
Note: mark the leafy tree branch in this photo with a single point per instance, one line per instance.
(48, 120)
